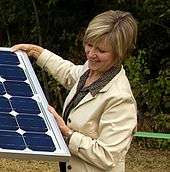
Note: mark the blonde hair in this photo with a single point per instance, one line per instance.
(117, 28)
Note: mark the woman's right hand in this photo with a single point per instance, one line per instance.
(29, 49)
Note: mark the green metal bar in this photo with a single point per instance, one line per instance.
(152, 135)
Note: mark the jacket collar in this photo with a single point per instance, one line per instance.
(104, 87)
(99, 84)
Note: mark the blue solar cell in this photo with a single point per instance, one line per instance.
(24, 105)
(31, 123)
(4, 105)
(39, 142)
(18, 88)
(11, 140)
(7, 57)
(12, 73)
(2, 90)
(8, 122)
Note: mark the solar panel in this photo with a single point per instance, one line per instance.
(27, 129)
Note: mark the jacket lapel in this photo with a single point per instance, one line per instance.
(89, 97)
(86, 99)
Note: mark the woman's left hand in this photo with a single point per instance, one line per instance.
(61, 124)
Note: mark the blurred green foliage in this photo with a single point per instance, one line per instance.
(151, 94)
(59, 25)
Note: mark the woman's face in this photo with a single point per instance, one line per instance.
(100, 58)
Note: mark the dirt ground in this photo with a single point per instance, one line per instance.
(139, 159)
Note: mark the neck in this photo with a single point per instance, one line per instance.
(93, 76)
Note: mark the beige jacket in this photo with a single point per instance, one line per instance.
(103, 124)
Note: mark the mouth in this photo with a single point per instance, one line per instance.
(94, 61)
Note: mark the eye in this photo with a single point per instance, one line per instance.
(89, 45)
(100, 50)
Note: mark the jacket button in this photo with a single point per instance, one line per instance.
(69, 120)
(69, 167)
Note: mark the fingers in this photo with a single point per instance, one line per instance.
(30, 49)
(56, 115)
(51, 109)
(58, 118)
(23, 47)
(63, 127)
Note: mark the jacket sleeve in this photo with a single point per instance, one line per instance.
(115, 134)
(64, 71)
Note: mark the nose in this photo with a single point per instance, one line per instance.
(92, 52)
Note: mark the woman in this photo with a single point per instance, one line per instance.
(99, 114)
